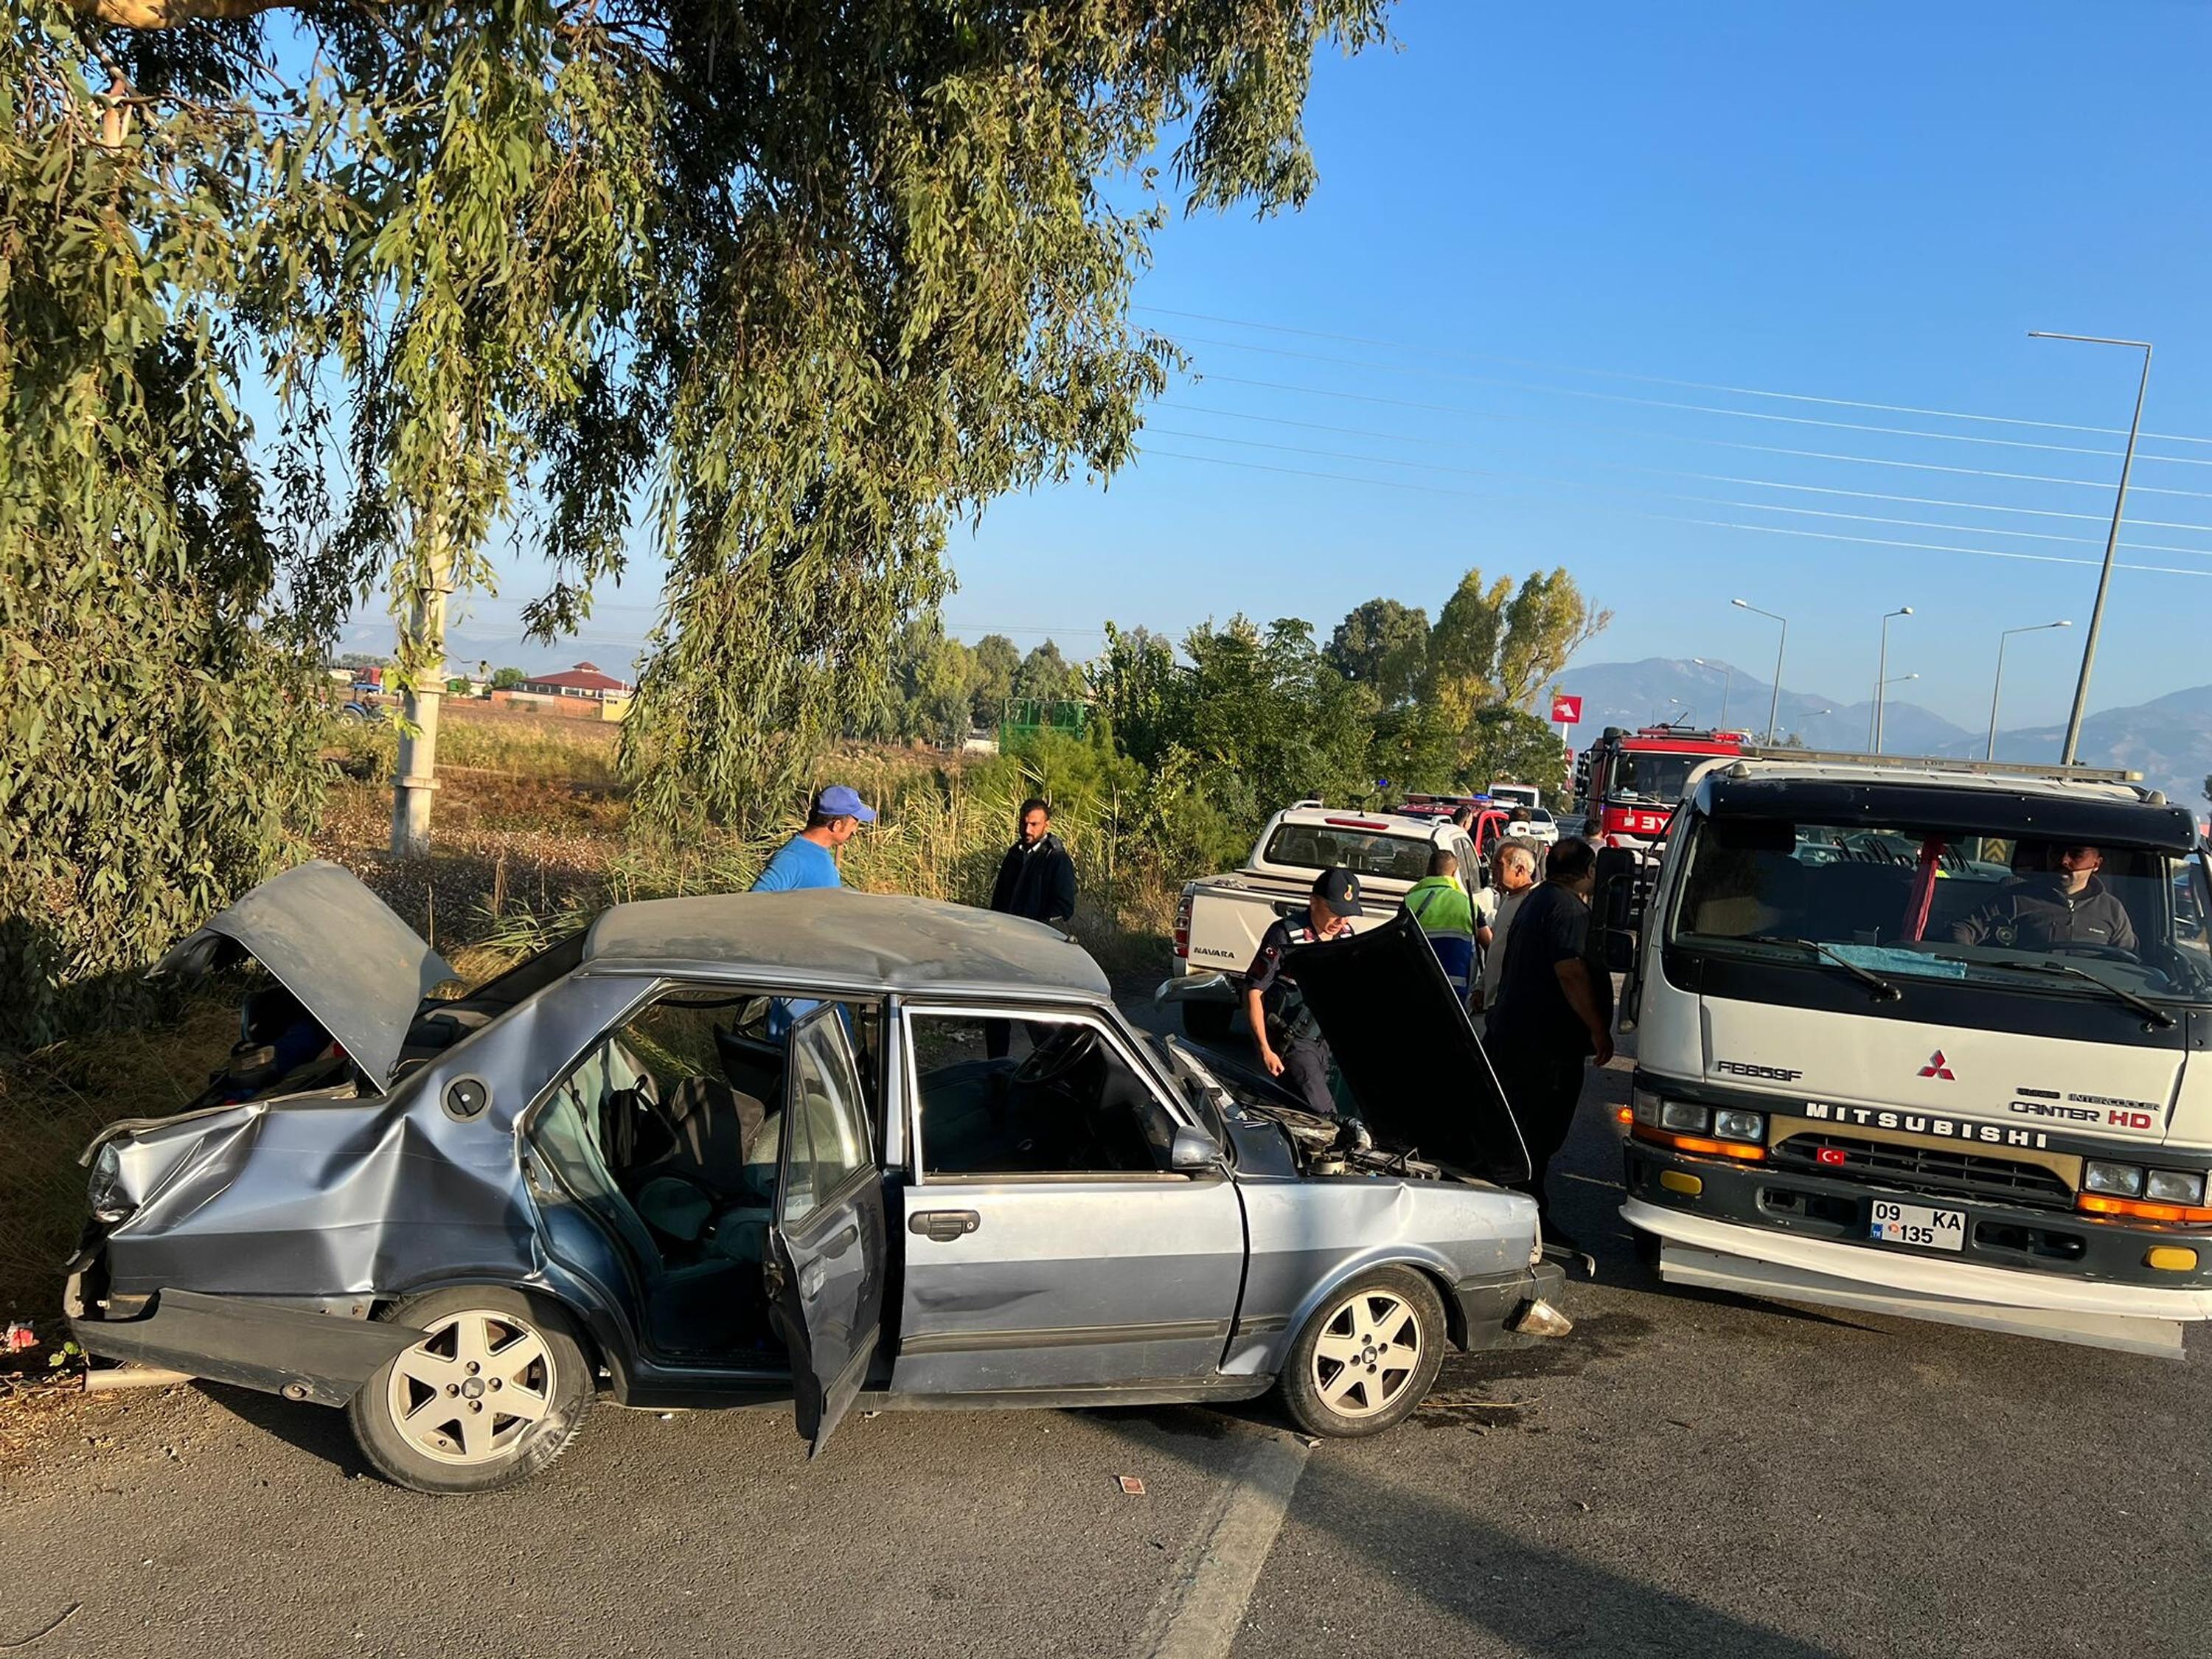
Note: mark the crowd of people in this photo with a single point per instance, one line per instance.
(1544, 997)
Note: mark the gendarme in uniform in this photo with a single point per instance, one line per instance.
(1291, 1044)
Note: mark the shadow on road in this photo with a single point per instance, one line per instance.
(316, 1429)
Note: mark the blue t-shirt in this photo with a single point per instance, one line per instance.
(799, 863)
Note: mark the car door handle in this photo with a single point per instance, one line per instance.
(944, 1225)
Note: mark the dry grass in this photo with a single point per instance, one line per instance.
(54, 1102)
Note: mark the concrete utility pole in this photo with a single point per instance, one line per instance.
(2111, 540)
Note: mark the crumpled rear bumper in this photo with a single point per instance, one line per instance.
(297, 1353)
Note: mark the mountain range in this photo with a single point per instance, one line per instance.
(2167, 739)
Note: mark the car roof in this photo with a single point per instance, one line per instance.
(835, 936)
(1417, 825)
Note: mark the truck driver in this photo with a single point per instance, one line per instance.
(1292, 1047)
(2063, 902)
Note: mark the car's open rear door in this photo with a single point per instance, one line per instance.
(827, 1254)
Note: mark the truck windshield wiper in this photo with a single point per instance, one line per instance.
(1883, 990)
(2143, 1005)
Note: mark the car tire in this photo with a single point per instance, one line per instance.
(1207, 1022)
(429, 1418)
(1647, 1244)
(1340, 1380)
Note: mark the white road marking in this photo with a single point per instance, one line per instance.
(1201, 1609)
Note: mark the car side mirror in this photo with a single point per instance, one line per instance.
(1620, 950)
(1193, 1151)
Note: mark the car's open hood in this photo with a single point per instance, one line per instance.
(1406, 1046)
(358, 969)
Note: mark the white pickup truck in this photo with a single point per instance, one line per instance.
(1221, 918)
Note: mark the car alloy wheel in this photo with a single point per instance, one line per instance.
(474, 1387)
(1368, 1352)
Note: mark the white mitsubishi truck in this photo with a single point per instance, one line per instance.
(1926, 1038)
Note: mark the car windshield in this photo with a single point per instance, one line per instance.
(1929, 901)
(1642, 776)
(1363, 852)
(1192, 1080)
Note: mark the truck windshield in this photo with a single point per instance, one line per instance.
(1653, 777)
(1926, 902)
(1363, 852)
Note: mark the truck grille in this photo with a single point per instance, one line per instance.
(1925, 1170)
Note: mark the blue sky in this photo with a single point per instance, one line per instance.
(1523, 209)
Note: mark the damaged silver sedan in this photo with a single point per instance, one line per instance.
(813, 1147)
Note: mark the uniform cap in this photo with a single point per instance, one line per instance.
(1338, 890)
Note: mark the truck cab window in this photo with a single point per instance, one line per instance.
(1940, 902)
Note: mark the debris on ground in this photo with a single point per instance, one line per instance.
(46, 1628)
(20, 1337)
(1131, 1485)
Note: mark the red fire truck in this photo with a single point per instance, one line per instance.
(1626, 783)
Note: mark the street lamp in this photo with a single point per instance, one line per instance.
(1997, 689)
(1774, 700)
(2111, 539)
(1671, 702)
(1726, 685)
(1882, 669)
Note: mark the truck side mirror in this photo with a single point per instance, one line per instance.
(1613, 901)
(1620, 950)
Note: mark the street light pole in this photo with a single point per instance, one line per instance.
(1727, 685)
(2111, 540)
(1882, 671)
(1773, 702)
(1997, 689)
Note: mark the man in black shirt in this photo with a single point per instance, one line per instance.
(1036, 879)
(1553, 1008)
(1290, 1045)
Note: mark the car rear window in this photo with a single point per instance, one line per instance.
(1364, 851)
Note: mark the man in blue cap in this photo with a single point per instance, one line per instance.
(809, 858)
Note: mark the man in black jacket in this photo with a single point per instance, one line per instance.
(1036, 879)
(2067, 903)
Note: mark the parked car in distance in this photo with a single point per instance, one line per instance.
(1220, 919)
(1538, 826)
(663, 1160)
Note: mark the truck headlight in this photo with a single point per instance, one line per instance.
(104, 1193)
(2175, 1186)
(1740, 1125)
(2126, 1180)
(1684, 1116)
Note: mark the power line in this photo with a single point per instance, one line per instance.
(1683, 437)
(1670, 495)
(1662, 380)
(1683, 408)
(1678, 472)
(1669, 518)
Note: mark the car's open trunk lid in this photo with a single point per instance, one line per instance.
(355, 966)
(1407, 1048)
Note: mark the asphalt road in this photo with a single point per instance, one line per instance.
(1684, 1474)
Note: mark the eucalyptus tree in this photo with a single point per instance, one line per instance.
(775, 290)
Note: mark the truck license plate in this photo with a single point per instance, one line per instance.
(1916, 1223)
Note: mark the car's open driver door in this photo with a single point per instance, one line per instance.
(827, 1255)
